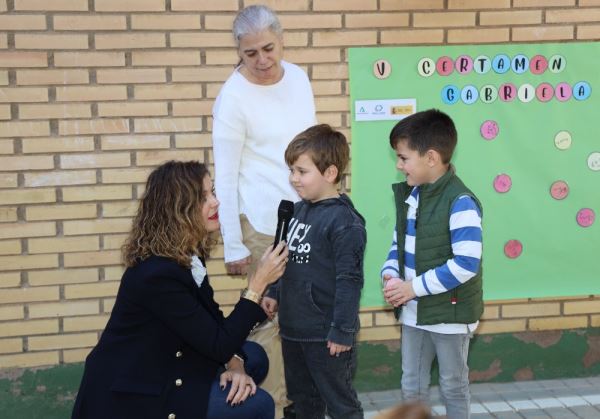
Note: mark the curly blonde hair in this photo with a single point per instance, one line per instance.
(169, 217)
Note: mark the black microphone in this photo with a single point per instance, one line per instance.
(284, 215)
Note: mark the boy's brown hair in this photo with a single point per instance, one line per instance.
(427, 130)
(324, 145)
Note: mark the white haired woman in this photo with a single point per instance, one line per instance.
(261, 107)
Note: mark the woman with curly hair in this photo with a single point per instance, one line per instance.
(167, 350)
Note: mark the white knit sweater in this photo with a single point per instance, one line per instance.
(252, 126)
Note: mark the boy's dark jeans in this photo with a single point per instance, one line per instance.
(317, 381)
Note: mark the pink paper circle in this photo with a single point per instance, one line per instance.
(463, 64)
(544, 92)
(444, 66)
(538, 64)
(586, 217)
(563, 92)
(559, 190)
(513, 249)
(502, 183)
(507, 92)
(489, 129)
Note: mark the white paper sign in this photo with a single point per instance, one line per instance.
(384, 109)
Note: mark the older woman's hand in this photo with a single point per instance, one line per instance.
(270, 268)
(238, 267)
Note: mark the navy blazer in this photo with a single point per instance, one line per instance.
(162, 347)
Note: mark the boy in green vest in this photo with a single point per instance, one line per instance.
(432, 275)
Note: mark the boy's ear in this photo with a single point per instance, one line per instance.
(433, 157)
(331, 173)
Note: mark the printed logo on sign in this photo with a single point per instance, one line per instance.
(384, 109)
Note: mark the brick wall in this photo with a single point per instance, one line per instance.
(95, 93)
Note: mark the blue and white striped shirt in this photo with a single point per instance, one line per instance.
(465, 237)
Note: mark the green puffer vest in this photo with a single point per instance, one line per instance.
(463, 304)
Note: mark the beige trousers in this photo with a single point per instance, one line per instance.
(267, 334)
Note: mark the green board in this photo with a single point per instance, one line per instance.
(514, 149)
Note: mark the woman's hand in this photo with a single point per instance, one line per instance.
(270, 268)
(238, 267)
(242, 385)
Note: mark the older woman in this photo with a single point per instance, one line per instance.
(167, 351)
(259, 110)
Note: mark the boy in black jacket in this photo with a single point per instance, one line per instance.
(319, 293)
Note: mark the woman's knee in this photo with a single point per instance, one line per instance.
(260, 406)
(257, 363)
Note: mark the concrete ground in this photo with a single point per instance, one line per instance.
(540, 399)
